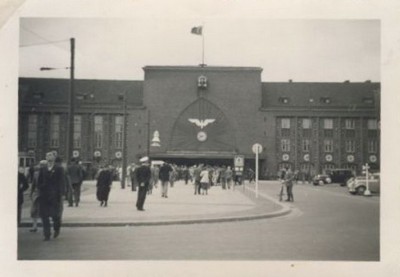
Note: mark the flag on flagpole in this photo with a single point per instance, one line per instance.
(197, 30)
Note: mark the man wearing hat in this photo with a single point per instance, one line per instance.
(143, 175)
(51, 182)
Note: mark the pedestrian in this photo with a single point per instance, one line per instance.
(222, 177)
(34, 195)
(228, 176)
(51, 187)
(251, 174)
(205, 180)
(289, 177)
(197, 179)
(185, 172)
(156, 175)
(75, 174)
(22, 186)
(173, 175)
(164, 174)
(215, 176)
(143, 175)
(104, 182)
(132, 174)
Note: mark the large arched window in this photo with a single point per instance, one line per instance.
(202, 127)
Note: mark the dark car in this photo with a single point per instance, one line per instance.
(334, 176)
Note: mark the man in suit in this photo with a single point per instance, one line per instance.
(75, 173)
(51, 182)
(143, 175)
(164, 174)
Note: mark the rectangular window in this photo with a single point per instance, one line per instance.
(350, 146)
(306, 145)
(98, 131)
(285, 145)
(77, 131)
(328, 145)
(372, 146)
(283, 166)
(350, 124)
(328, 167)
(285, 123)
(328, 124)
(119, 126)
(306, 123)
(54, 130)
(32, 130)
(372, 124)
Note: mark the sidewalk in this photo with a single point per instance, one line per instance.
(181, 207)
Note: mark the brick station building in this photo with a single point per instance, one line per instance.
(191, 114)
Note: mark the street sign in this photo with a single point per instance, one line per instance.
(239, 161)
(257, 148)
(365, 168)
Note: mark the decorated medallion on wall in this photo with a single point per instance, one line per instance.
(75, 153)
(306, 157)
(350, 158)
(328, 158)
(202, 126)
(285, 157)
(373, 159)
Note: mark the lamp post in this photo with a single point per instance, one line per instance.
(70, 136)
(124, 144)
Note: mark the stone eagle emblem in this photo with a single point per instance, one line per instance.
(201, 123)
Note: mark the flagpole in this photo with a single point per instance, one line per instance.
(202, 35)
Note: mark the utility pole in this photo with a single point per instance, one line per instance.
(70, 137)
(124, 144)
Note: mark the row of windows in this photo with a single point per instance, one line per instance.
(323, 100)
(55, 131)
(350, 145)
(372, 124)
(306, 167)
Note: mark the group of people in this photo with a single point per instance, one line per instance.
(288, 178)
(52, 182)
(140, 181)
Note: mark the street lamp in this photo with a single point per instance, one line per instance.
(155, 141)
(70, 137)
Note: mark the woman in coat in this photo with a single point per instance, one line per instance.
(22, 186)
(103, 185)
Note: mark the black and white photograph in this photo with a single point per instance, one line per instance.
(201, 134)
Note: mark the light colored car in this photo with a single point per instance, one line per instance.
(358, 185)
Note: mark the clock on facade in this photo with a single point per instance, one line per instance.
(202, 136)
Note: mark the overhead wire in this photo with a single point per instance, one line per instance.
(48, 42)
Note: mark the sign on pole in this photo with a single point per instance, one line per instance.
(257, 149)
(239, 161)
(365, 168)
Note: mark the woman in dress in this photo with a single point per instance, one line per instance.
(205, 180)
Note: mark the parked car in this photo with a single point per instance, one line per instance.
(334, 176)
(358, 185)
(321, 179)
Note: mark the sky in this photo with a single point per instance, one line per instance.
(112, 48)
